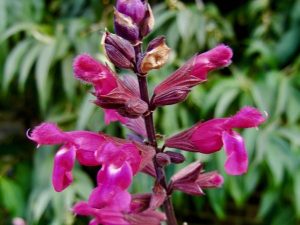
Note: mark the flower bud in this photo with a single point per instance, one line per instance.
(162, 159)
(192, 180)
(171, 96)
(156, 55)
(133, 108)
(210, 180)
(118, 50)
(135, 9)
(189, 75)
(148, 23)
(175, 157)
(158, 197)
(126, 28)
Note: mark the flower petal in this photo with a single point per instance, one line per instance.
(93, 222)
(86, 144)
(82, 208)
(237, 157)
(110, 154)
(246, 117)
(114, 176)
(110, 196)
(90, 70)
(111, 115)
(62, 170)
(48, 134)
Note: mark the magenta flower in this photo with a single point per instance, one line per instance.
(210, 136)
(111, 92)
(90, 149)
(176, 87)
(126, 99)
(75, 144)
(88, 69)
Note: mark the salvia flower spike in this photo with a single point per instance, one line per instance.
(125, 99)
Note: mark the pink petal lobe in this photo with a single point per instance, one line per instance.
(210, 180)
(93, 222)
(114, 176)
(237, 157)
(207, 137)
(247, 117)
(133, 157)
(110, 154)
(90, 70)
(111, 115)
(111, 197)
(62, 170)
(82, 208)
(218, 57)
(86, 143)
(48, 134)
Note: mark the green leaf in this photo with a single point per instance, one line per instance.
(284, 216)
(267, 202)
(169, 119)
(216, 92)
(172, 36)
(161, 19)
(236, 189)
(40, 204)
(217, 201)
(296, 189)
(12, 63)
(259, 98)
(283, 95)
(69, 82)
(27, 64)
(186, 27)
(288, 45)
(17, 28)
(293, 109)
(85, 112)
(224, 102)
(277, 157)
(42, 71)
(11, 196)
(201, 31)
(3, 15)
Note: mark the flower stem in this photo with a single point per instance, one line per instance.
(160, 172)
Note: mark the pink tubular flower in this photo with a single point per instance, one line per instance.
(75, 144)
(111, 92)
(176, 87)
(210, 136)
(90, 149)
(88, 69)
(192, 179)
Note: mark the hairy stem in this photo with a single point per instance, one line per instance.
(160, 172)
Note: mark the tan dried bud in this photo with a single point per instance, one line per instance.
(156, 56)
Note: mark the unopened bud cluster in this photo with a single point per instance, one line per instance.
(125, 99)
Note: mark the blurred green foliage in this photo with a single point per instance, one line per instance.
(39, 39)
